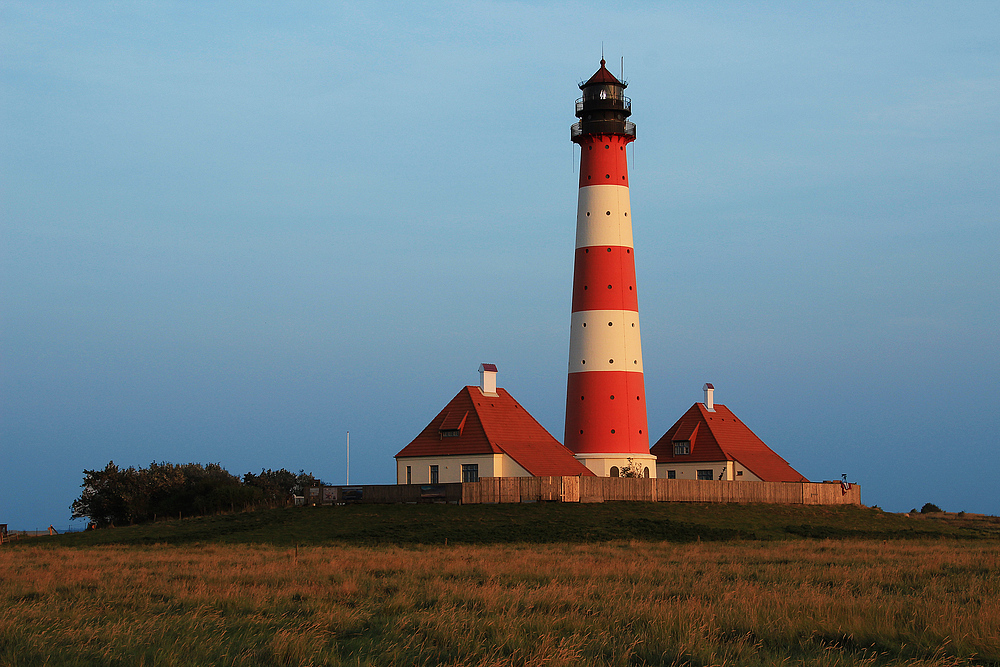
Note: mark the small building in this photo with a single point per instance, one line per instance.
(484, 432)
(710, 442)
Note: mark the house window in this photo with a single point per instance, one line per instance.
(682, 447)
(614, 471)
(739, 473)
(671, 474)
(450, 433)
(409, 475)
(706, 474)
(645, 472)
(434, 474)
(470, 472)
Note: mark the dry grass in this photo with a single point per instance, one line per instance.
(818, 603)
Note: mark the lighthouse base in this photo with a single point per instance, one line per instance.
(619, 465)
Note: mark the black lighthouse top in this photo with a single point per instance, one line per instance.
(603, 107)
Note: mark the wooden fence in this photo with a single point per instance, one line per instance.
(610, 489)
(490, 490)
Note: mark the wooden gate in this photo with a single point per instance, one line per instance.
(570, 489)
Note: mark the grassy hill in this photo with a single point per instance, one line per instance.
(539, 523)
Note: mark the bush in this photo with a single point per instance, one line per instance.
(929, 508)
(135, 495)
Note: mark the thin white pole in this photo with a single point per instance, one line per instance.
(348, 458)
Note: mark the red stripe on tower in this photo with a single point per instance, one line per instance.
(605, 395)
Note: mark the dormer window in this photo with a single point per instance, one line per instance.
(682, 447)
(452, 425)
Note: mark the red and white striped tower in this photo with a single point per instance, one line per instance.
(605, 395)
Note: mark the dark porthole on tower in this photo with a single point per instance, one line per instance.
(612, 397)
(612, 430)
(609, 286)
(609, 213)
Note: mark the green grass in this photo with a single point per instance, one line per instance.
(538, 523)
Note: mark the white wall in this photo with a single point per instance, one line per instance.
(600, 464)
(733, 470)
(450, 467)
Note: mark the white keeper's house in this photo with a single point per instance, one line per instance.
(483, 432)
(710, 442)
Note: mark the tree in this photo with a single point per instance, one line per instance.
(103, 498)
(275, 485)
(304, 480)
(633, 469)
(929, 508)
(116, 496)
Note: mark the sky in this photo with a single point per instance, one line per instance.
(233, 232)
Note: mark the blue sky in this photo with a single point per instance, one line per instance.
(231, 232)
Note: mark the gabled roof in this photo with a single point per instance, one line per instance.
(495, 425)
(602, 76)
(721, 436)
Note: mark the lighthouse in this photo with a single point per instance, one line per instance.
(605, 393)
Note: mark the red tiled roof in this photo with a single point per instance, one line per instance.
(495, 425)
(603, 76)
(720, 436)
(489, 367)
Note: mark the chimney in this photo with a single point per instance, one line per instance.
(488, 379)
(709, 402)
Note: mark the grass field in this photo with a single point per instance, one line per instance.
(539, 523)
(279, 590)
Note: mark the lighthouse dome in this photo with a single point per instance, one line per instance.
(603, 75)
(603, 109)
